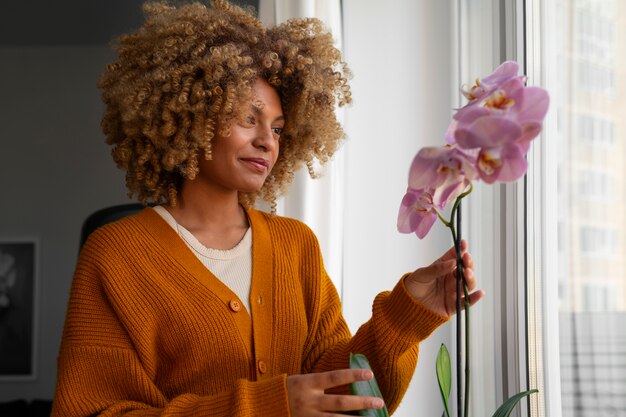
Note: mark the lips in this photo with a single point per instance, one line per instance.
(258, 164)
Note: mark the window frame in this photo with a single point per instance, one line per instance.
(542, 228)
(514, 223)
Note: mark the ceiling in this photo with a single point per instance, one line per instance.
(70, 22)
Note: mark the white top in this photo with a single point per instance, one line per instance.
(232, 266)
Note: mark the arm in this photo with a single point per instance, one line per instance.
(390, 339)
(420, 302)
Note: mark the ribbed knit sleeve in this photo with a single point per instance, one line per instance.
(106, 367)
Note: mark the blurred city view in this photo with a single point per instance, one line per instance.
(590, 58)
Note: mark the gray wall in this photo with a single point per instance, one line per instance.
(55, 169)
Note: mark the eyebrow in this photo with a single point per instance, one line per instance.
(258, 110)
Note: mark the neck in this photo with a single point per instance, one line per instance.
(201, 207)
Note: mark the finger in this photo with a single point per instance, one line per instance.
(470, 279)
(468, 261)
(451, 253)
(473, 299)
(434, 270)
(330, 379)
(476, 296)
(349, 402)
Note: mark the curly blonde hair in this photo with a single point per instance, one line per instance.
(182, 76)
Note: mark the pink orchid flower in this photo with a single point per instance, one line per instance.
(447, 170)
(487, 139)
(417, 212)
(482, 88)
(501, 128)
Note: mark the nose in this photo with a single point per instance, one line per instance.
(265, 139)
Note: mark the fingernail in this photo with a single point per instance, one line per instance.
(367, 374)
(377, 403)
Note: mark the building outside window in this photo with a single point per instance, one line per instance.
(590, 58)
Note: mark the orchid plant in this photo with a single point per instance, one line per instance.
(487, 140)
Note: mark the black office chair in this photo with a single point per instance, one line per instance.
(23, 408)
(107, 215)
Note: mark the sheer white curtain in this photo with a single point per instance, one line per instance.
(319, 203)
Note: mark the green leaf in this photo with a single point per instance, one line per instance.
(444, 376)
(367, 388)
(508, 406)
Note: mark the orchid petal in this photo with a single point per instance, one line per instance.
(422, 172)
(534, 105)
(489, 165)
(409, 198)
(449, 136)
(513, 86)
(433, 152)
(434, 166)
(404, 219)
(424, 224)
(505, 70)
(514, 164)
(483, 88)
(406, 209)
(503, 164)
(470, 113)
(448, 192)
(488, 131)
(530, 131)
(416, 213)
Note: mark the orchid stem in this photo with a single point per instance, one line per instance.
(459, 335)
(443, 220)
(460, 281)
(461, 273)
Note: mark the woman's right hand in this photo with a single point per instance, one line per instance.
(307, 397)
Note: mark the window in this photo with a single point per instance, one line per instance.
(577, 237)
(595, 78)
(595, 185)
(552, 253)
(595, 240)
(595, 130)
(599, 297)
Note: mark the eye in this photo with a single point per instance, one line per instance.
(277, 130)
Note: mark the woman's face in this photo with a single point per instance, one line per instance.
(243, 160)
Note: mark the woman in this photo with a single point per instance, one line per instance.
(203, 306)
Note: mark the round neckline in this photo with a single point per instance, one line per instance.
(240, 249)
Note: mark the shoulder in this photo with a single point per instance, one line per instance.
(120, 233)
(282, 226)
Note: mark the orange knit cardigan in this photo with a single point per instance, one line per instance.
(149, 330)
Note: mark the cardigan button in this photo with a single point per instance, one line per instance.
(234, 305)
(262, 367)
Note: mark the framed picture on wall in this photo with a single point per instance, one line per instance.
(18, 305)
